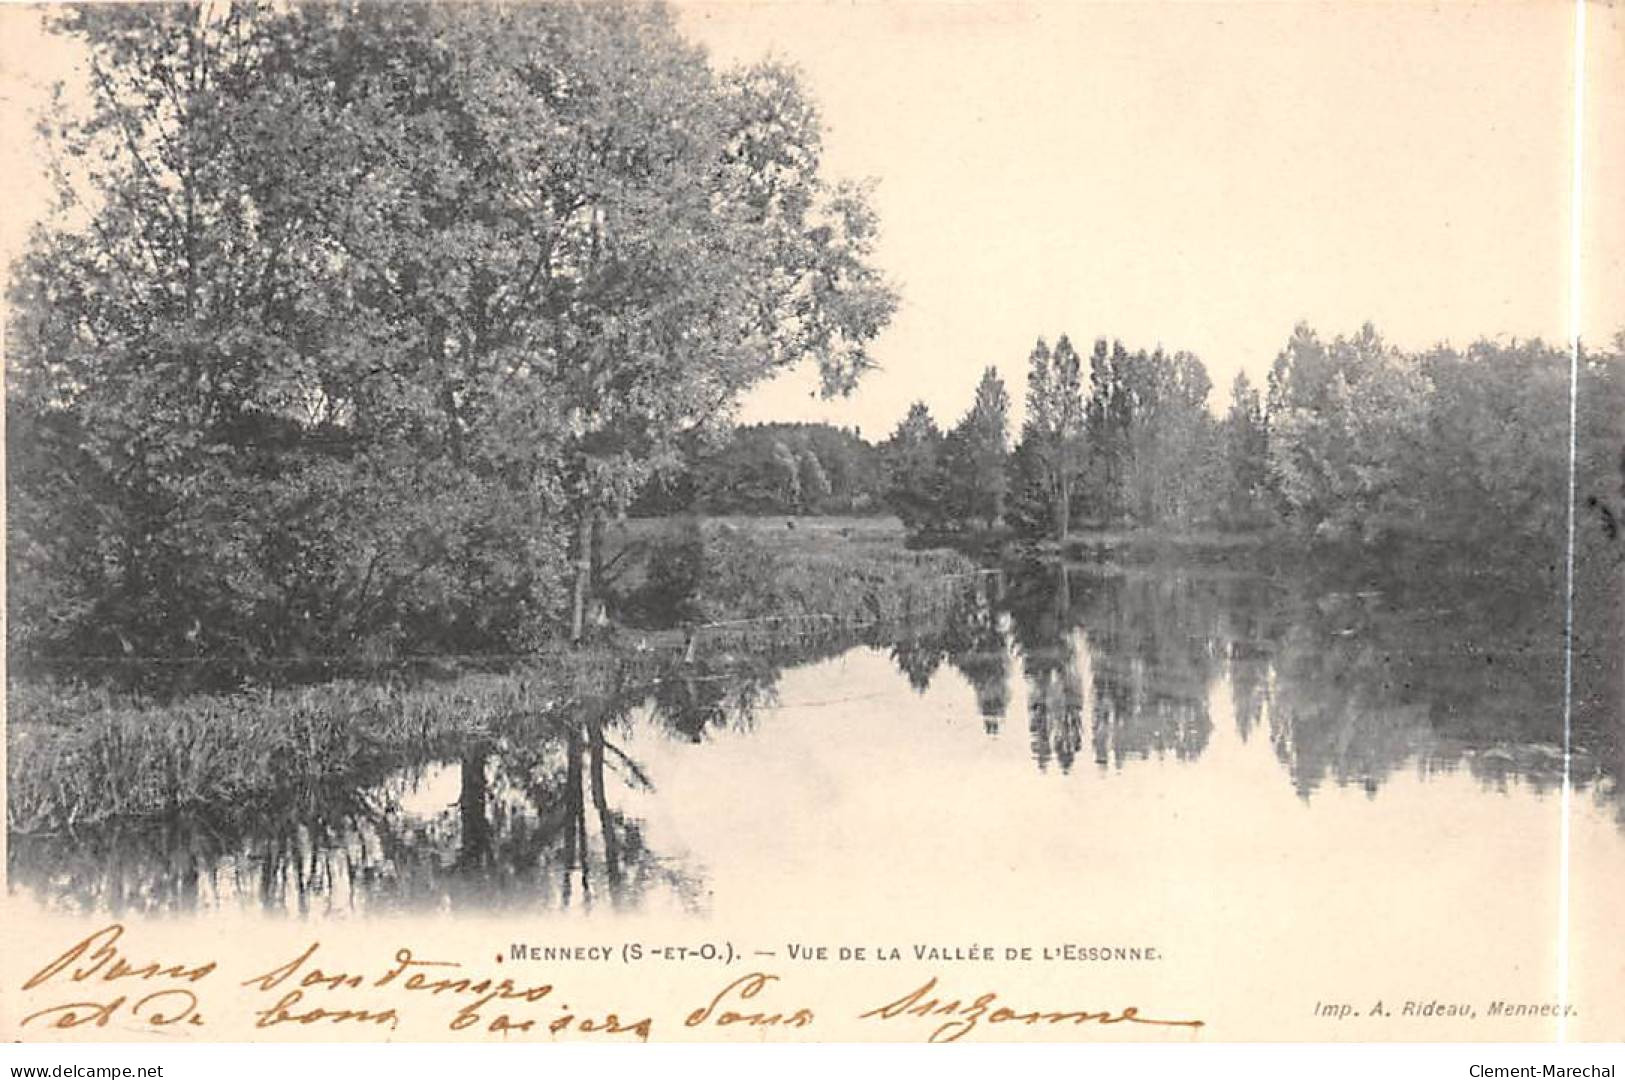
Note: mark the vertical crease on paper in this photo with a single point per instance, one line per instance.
(1575, 296)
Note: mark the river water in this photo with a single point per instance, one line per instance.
(1190, 742)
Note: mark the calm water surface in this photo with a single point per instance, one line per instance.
(1165, 730)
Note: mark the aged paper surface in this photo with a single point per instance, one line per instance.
(1102, 798)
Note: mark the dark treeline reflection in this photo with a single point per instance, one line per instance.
(1115, 671)
(1348, 685)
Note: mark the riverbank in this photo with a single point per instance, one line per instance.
(1250, 549)
(728, 599)
(1241, 549)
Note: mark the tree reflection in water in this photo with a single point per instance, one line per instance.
(1105, 649)
(540, 813)
(1349, 685)
(508, 825)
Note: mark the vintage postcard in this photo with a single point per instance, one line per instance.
(775, 520)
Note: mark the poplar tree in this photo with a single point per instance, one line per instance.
(1050, 455)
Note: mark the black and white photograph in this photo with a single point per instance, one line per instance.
(740, 520)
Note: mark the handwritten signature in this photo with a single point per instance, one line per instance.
(963, 1017)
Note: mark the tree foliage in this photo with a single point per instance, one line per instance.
(346, 308)
(1051, 448)
(985, 435)
(1453, 451)
(1245, 453)
(743, 475)
(914, 467)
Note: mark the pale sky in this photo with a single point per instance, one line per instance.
(1199, 176)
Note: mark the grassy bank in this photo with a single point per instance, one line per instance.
(79, 756)
(1128, 546)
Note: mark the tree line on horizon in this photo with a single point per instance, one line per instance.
(1352, 445)
(1125, 438)
(776, 467)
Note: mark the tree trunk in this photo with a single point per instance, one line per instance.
(1063, 507)
(574, 817)
(596, 550)
(583, 583)
(472, 812)
(600, 802)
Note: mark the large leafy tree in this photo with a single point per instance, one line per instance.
(1460, 453)
(346, 308)
(1346, 434)
(223, 369)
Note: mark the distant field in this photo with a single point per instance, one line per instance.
(799, 531)
(804, 536)
(847, 571)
